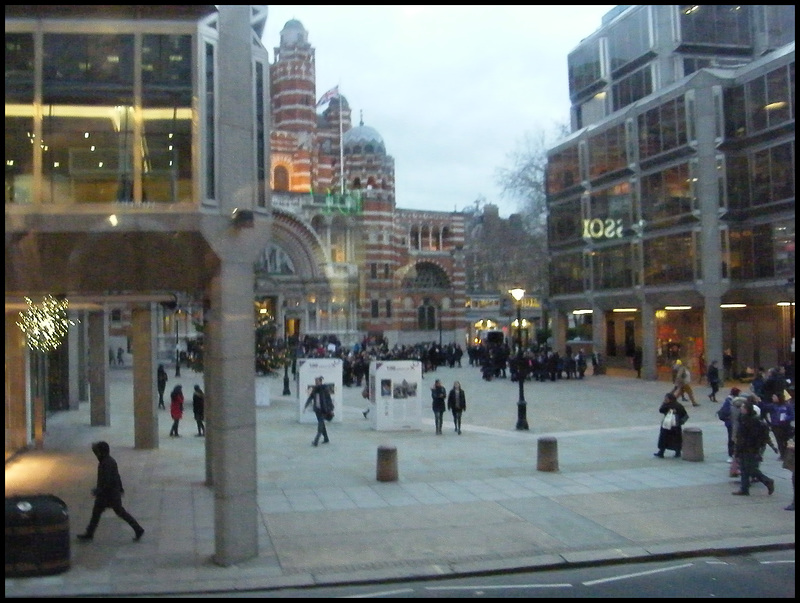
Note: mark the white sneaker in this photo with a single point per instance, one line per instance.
(730, 459)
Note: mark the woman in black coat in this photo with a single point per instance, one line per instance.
(670, 436)
(457, 403)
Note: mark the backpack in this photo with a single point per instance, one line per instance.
(724, 412)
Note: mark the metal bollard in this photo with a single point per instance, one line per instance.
(387, 464)
(547, 454)
(692, 444)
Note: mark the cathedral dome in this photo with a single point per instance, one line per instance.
(293, 33)
(363, 140)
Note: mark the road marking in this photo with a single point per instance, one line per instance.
(637, 575)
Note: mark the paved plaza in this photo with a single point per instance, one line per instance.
(462, 503)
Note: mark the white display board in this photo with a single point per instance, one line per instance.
(308, 369)
(395, 393)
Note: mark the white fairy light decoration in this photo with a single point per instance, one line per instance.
(45, 324)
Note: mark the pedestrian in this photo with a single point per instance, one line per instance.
(108, 493)
(712, 374)
(670, 436)
(683, 382)
(365, 395)
(457, 403)
(781, 417)
(176, 409)
(637, 362)
(161, 382)
(750, 438)
(199, 410)
(438, 404)
(725, 414)
(111, 360)
(788, 463)
(321, 403)
(121, 357)
(727, 365)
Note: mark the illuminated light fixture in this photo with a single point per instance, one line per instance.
(733, 305)
(45, 324)
(112, 219)
(625, 310)
(775, 105)
(577, 312)
(677, 307)
(785, 303)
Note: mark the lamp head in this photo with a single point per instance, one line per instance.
(517, 294)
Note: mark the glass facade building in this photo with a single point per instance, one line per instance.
(671, 205)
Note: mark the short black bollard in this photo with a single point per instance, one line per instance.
(387, 464)
(547, 454)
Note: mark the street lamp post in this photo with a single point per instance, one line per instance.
(177, 345)
(522, 405)
(286, 390)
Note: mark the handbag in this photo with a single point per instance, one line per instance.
(669, 420)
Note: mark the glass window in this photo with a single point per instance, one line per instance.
(584, 69)
(19, 156)
(629, 39)
(607, 151)
(612, 268)
(715, 25)
(668, 259)
(610, 212)
(667, 195)
(87, 154)
(19, 68)
(631, 88)
(735, 112)
(564, 222)
(562, 170)
(81, 69)
(662, 128)
(566, 274)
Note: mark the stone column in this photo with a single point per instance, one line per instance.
(145, 396)
(230, 406)
(99, 389)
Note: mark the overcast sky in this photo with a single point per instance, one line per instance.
(452, 90)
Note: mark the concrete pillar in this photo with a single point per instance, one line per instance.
(17, 415)
(230, 405)
(547, 454)
(99, 389)
(692, 444)
(386, 470)
(559, 330)
(145, 394)
(649, 334)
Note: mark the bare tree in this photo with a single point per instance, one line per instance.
(524, 178)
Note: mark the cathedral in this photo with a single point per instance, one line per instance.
(344, 262)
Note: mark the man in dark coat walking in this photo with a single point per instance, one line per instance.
(108, 493)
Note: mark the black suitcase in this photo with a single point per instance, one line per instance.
(37, 536)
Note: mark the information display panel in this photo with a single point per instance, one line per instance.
(395, 394)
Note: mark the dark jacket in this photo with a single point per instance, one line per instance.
(438, 397)
(457, 400)
(672, 439)
(750, 435)
(109, 488)
(320, 399)
(162, 379)
(199, 405)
